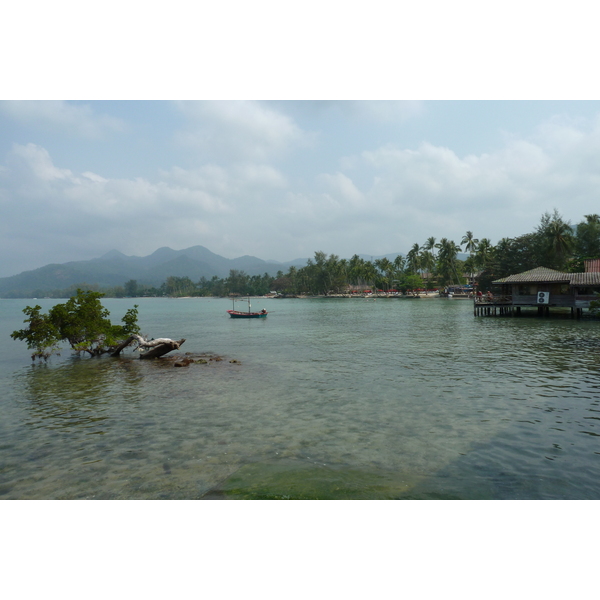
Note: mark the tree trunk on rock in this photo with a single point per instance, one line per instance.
(159, 346)
(163, 348)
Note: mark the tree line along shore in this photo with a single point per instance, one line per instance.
(554, 243)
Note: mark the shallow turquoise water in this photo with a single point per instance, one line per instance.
(332, 398)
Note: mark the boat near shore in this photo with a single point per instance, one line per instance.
(238, 314)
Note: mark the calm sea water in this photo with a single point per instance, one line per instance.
(330, 398)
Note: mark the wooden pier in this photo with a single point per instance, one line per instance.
(491, 308)
(506, 308)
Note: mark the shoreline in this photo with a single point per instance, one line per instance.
(382, 296)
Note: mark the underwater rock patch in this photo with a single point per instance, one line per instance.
(299, 480)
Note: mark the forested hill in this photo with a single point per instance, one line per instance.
(115, 268)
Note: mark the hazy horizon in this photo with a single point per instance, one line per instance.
(280, 180)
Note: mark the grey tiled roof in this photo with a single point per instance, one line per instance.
(585, 279)
(538, 275)
(545, 275)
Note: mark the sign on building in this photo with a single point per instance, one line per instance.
(543, 297)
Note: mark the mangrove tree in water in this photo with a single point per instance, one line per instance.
(82, 321)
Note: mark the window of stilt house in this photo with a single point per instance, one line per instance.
(560, 288)
(527, 289)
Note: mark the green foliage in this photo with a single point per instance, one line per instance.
(82, 321)
(556, 240)
(42, 336)
(409, 281)
(449, 268)
(587, 239)
(512, 255)
(469, 242)
(595, 306)
(413, 259)
(131, 288)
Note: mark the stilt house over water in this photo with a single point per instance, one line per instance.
(544, 288)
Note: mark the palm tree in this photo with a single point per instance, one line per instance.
(358, 272)
(386, 267)
(587, 237)
(354, 266)
(335, 273)
(430, 245)
(555, 239)
(469, 242)
(484, 253)
(413, 259)
(343, 273)
(471, 268)
(369, 273)
(292, 274)
(560, 240)
(427, 262)
(399, 262)
(446, 262)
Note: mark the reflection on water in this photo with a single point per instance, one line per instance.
(330, 399)
(76, 395)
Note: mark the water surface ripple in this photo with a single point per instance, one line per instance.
(331, 398)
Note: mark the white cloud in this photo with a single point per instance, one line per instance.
(380, 200)
(342, 186)
(259, 176)
(49, 207)
(37, 162)
(239, 131)
(416, 193)
(88, 214)
(74, 119)
(94, 177)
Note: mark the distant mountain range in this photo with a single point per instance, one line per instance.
(115, 268)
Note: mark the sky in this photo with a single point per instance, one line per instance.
(350, 133)
(282, 179)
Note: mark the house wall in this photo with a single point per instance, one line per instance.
(583, 300)
(555, 300)
(556, 289)
(560, 294)
(572, 299)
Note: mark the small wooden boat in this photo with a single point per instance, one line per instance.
(238, 314)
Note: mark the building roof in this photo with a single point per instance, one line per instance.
(545, 275)
(592, 265)
(538, 275)
(585, 279)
